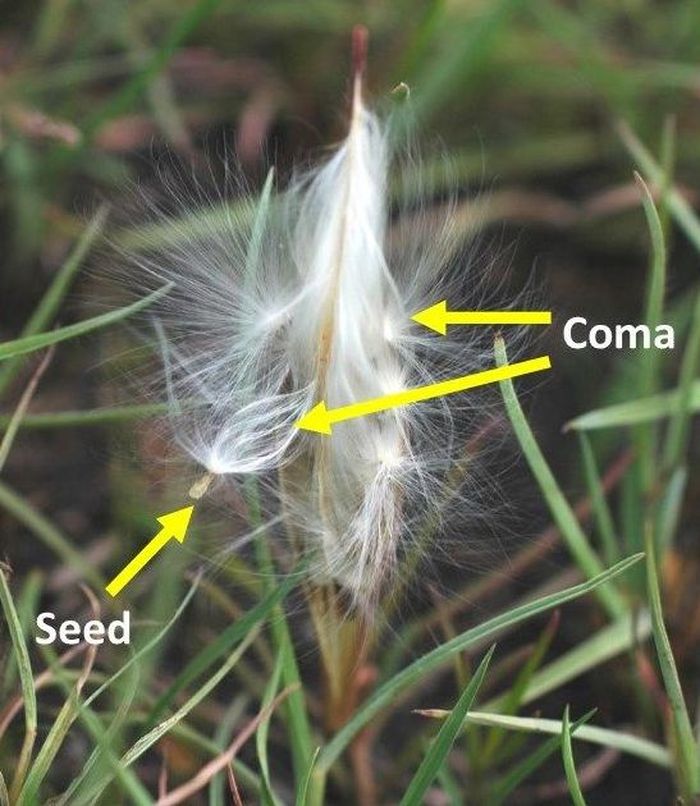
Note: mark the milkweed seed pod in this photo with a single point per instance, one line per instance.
(306, 294)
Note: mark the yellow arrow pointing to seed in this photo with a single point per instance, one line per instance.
(174, 526)
(437, 317)
(321, 419)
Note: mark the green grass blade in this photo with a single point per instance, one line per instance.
(605, 737)
(441, 746)
(57, 734)
(656, 286)
(601, 510)
(149, 739)
(668, 164)
(387, 693)
(219, 647)
(604, 645)
(656, 407)
(60, 725)
(686, 749)
(451, 787)
(26, 608)
(679, 208)
(213, 219)
(514, 696)
(49, 535)
(299, 728)
(143, 650)
(26, 682)
(593, 63)
(304, 787)
(152, 736)
(127, 779)
(23, 197)
(563, 515)
(90, 417)
(676, 438)
(51, 301)
(468, 49)
(569, 764)
(246, 776)
(252, 258)
(631, 513)
(104, 751)
(669, 509)
(4, 794)
(268, 796)
(127, 96)
(21, 408)
(515, 776)
(222, 739)
(183, 731)
(28, 344)
(645, 435)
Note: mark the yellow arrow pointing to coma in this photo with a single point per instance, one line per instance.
(174, 526)
(437, 317)
(321, 419)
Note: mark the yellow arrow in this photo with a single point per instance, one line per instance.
(174, 526)
(320, 419)
(437, 317)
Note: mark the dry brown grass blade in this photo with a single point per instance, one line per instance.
(23, 405)
(163, 776)
(233, 787)
(96, 611)
(590, 773)
(30, 785)
(14, 706)
(37, 125)
(222, 761)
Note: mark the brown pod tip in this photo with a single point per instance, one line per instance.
(360, 37)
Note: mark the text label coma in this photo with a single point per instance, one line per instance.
(578, 335)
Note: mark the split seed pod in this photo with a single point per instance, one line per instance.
(303, 295)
